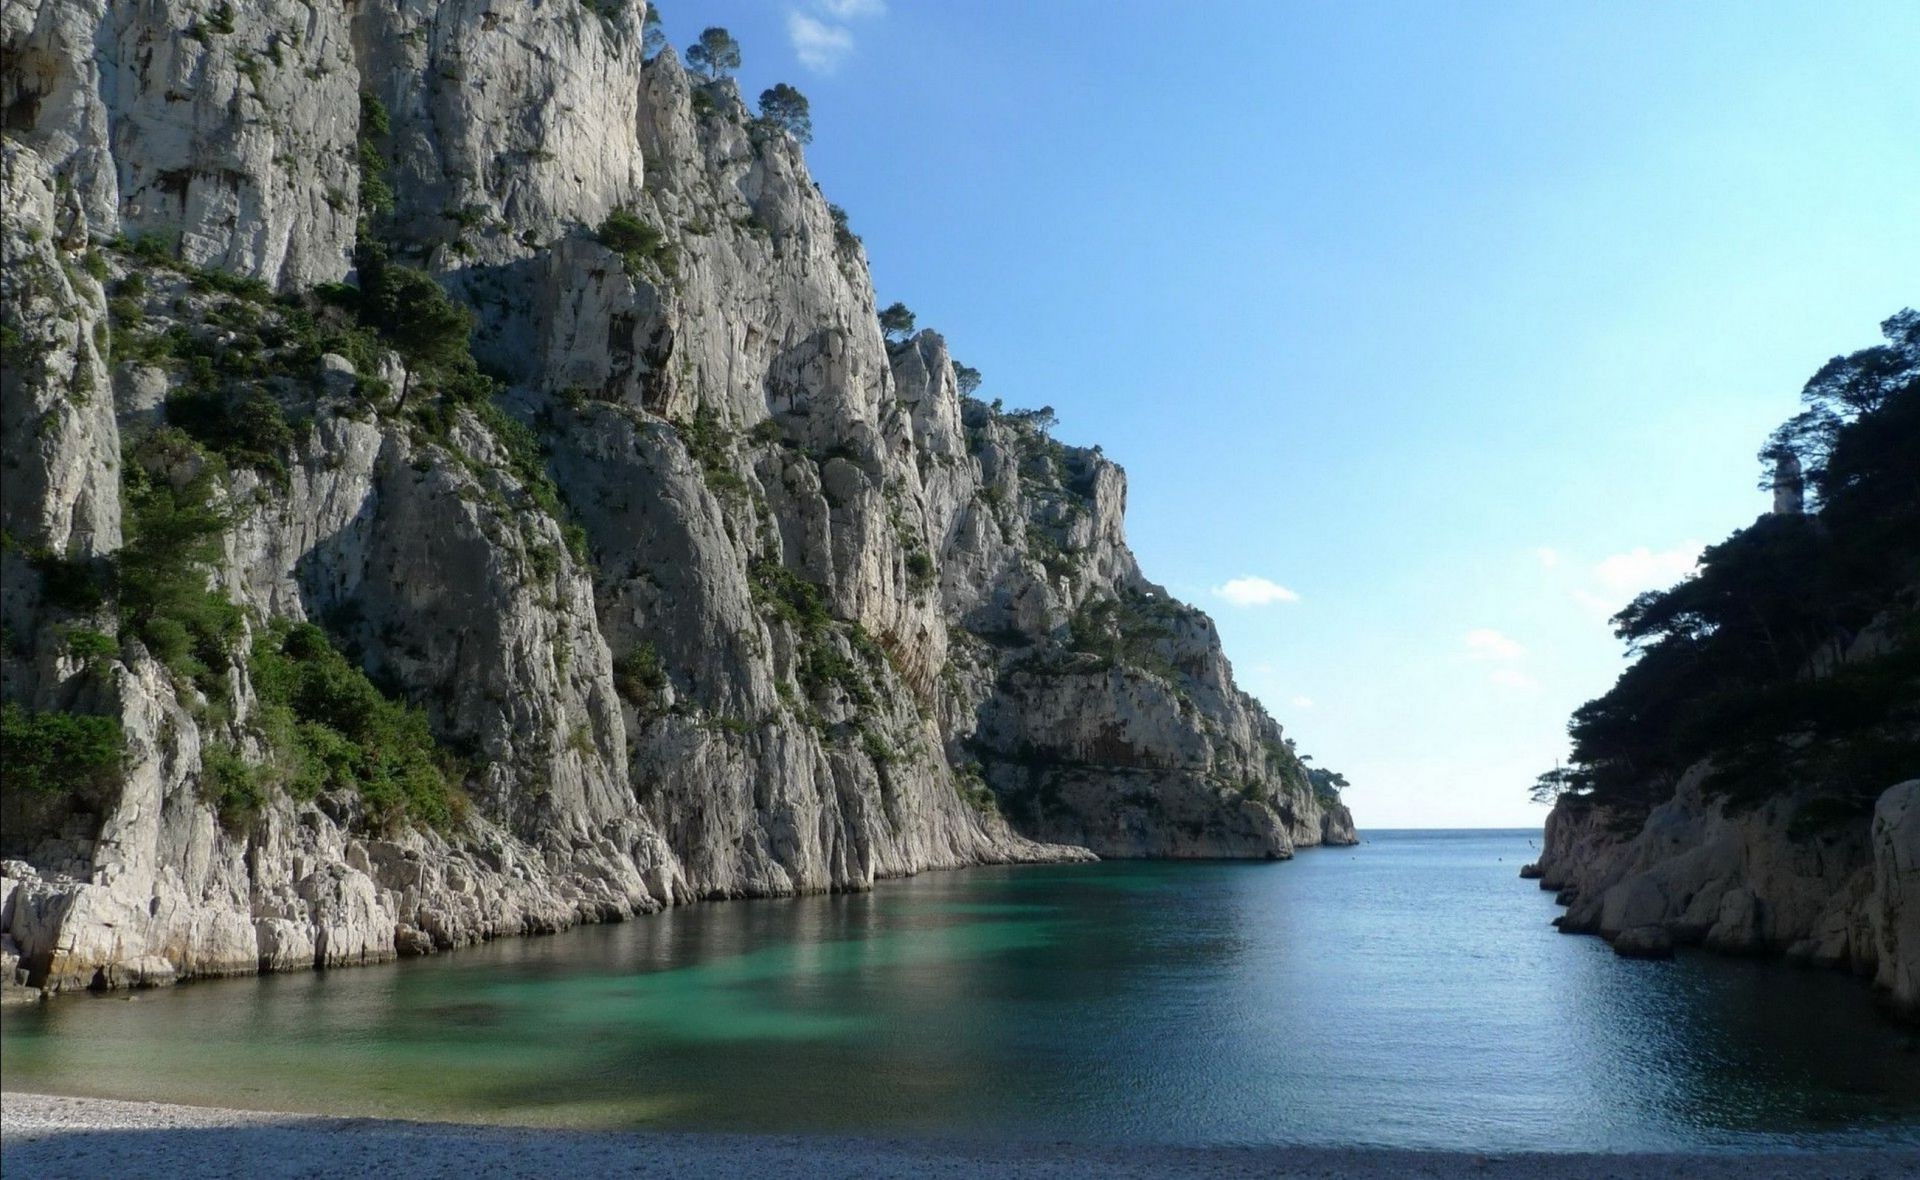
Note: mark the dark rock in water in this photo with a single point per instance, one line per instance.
(1644, 942)
(1566, 896)
(1530, 872)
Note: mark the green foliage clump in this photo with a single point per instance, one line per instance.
(1125, 631)
(715, 55)
(1743, 662)
(709, 444)
(173, 540)
(55, 753)
(638, 244)
(235, 789)
(875, 747)
(896, 322)
(332, 729)
(1326, 784)
(967, 378)
(376, 195)
(640, 675)
(414, 314)
(245, 426)
(85, 643)
(75, 585)
(843, 234)
(653, 32)
(790, 598)
(785, 109)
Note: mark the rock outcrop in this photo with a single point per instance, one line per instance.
(1745, 883)
(717, 593)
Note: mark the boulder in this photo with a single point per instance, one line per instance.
(1644, 942)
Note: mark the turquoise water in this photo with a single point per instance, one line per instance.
(1406, 992)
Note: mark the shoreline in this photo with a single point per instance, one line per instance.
(14, 993)
(52, 1135)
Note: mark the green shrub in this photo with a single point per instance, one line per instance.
(245, 426)
(789, 597)
(71, 584)
(637, 243)
(331, 729)
(58, 752)
(233, 788)
(84, 643)
(173, 534)
(640, 675)
(376, 195)
(414, 314)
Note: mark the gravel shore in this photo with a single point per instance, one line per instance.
(43, 1135)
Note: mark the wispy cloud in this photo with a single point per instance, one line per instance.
(1616, 579)
(852, 9)
(1301, 702)
(821, 47)
(1512, 678)
(1548, 556)
(819, 32)
(1484, 643)
(1505, 653)
(1254, 591)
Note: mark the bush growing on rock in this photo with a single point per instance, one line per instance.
(55, 752)
(173, 541)
(332, 729)
(637, 243)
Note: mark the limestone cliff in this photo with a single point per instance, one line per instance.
(695, 585)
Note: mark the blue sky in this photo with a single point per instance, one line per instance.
(1460, 322)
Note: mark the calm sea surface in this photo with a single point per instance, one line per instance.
(1407, 992)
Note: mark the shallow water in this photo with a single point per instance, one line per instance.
(1408, 992)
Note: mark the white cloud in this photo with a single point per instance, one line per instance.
(1301, 702)
(1254, 591)
(1616, 579)
(1548, 556)
(823, 42)
(1512, 678)
(821, 47)
(1643, 569)
(1484, 643)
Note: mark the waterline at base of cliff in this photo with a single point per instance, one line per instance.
(1151, 1003)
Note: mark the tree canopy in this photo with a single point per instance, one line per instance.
(786, 108)
(896, 321)
(966, 377)
(715, 55)
(653, 32)
(1753, 662)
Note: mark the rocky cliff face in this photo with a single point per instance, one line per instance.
(712, 592)
(1745, 883)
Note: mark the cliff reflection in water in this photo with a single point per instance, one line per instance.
(1403, 992)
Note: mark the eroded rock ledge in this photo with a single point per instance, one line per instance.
(1692, 874)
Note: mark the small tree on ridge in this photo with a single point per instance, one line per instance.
(787, 108)
(715, 55)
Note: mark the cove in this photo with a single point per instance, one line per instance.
(1406, 992)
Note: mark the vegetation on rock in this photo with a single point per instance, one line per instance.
(1791, 659)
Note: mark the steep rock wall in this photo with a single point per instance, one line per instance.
(723, 595)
